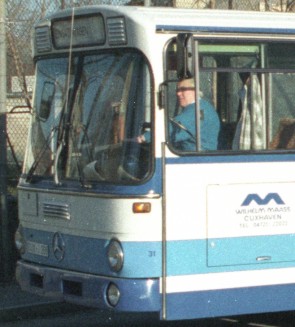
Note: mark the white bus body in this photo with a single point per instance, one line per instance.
(109, 222)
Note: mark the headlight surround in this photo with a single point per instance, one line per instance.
(19, 240)
(115, 255)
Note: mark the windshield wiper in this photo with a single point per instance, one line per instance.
(55, 171)
(40, 155)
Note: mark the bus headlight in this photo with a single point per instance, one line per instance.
(115, 255)
(19, 240)
(113, 294)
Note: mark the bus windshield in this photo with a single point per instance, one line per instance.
(88, 111)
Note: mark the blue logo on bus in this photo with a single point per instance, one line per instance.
(262, 201)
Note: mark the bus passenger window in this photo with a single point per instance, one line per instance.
(250, 87)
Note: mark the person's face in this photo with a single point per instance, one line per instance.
(185, 93)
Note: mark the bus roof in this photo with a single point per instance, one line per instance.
(198, 20)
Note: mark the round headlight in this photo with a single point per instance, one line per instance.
(19, 240)
(115, 255)
(113, 294)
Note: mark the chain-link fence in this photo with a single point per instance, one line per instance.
(22, 16)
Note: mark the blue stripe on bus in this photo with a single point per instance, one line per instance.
(154, 184)
(89, 255)
(144, 259)
(230, 302)
(238, 158)
(151, 186)
(230, 254)
(224, 29)
(143, 295)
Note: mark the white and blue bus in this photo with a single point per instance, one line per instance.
(110, 222)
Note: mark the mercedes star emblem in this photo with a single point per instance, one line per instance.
(58, 245)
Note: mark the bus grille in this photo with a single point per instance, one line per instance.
(43, 39)
(116, 31)
(54, 210)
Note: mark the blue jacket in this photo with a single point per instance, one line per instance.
(209, 124)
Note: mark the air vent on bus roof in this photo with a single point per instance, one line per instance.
(116, 31)
(43, 43)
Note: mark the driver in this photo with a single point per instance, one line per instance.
(182, 127)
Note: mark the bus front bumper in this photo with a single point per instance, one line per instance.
(122, 294)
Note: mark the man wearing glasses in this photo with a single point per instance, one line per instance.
(182, 128)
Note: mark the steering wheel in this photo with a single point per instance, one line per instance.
(180, 126)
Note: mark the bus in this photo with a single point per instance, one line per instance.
(111, 220)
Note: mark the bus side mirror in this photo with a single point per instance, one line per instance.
(46, 100)
(185, 57)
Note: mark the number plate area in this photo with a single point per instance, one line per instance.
(37, 248)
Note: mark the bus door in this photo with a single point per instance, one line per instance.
(229, 186)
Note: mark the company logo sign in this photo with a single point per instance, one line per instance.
(263, 212)
(262, 201)
(250, 210)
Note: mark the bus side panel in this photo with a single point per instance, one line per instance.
(230, 234)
